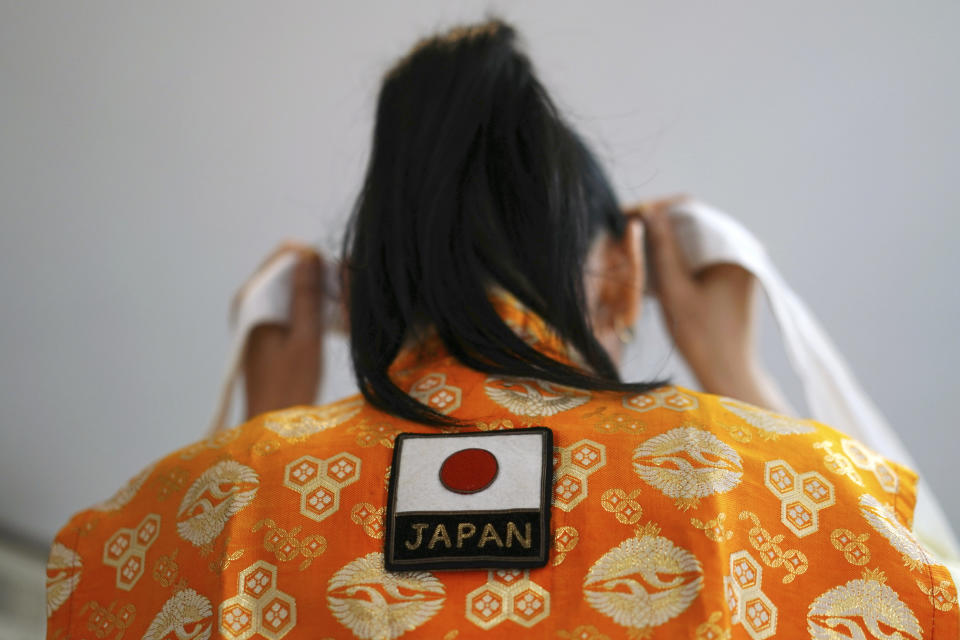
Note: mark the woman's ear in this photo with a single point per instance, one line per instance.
(616, 276)
(631, 247)
(621, 287)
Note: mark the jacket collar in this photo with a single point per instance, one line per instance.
(527, 324)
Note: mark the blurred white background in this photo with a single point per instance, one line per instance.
(151, 154)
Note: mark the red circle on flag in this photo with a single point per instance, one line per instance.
(469, 470)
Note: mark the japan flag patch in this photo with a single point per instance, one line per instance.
(475, 500)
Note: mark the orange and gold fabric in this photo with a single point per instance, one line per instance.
(676, 514)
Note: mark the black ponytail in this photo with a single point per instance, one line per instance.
(474, 178)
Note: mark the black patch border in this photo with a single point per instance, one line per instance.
(480, 561)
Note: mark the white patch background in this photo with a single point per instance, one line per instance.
(518, 484)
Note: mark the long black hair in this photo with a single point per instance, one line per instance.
(474, 178)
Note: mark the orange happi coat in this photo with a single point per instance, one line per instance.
(676, 514)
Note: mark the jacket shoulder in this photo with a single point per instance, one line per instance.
(760, 444)
(172, 529)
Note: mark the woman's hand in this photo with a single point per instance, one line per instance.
(282, 364)
(709, 314)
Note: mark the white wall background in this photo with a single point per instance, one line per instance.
(152, 153)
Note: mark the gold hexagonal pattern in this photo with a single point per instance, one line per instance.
(433, 391)
(870, 461)
(259, 606)
(508, 594)
(666, 398)
(623, 505)
(319, 482)
(747, 603)
(571, 467)
(530, 605)
(126, 550)
(486, 607)
(802, 496)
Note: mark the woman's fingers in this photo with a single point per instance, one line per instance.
(306, 303)
(283, 361)
(671, 274)
(286, 246)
